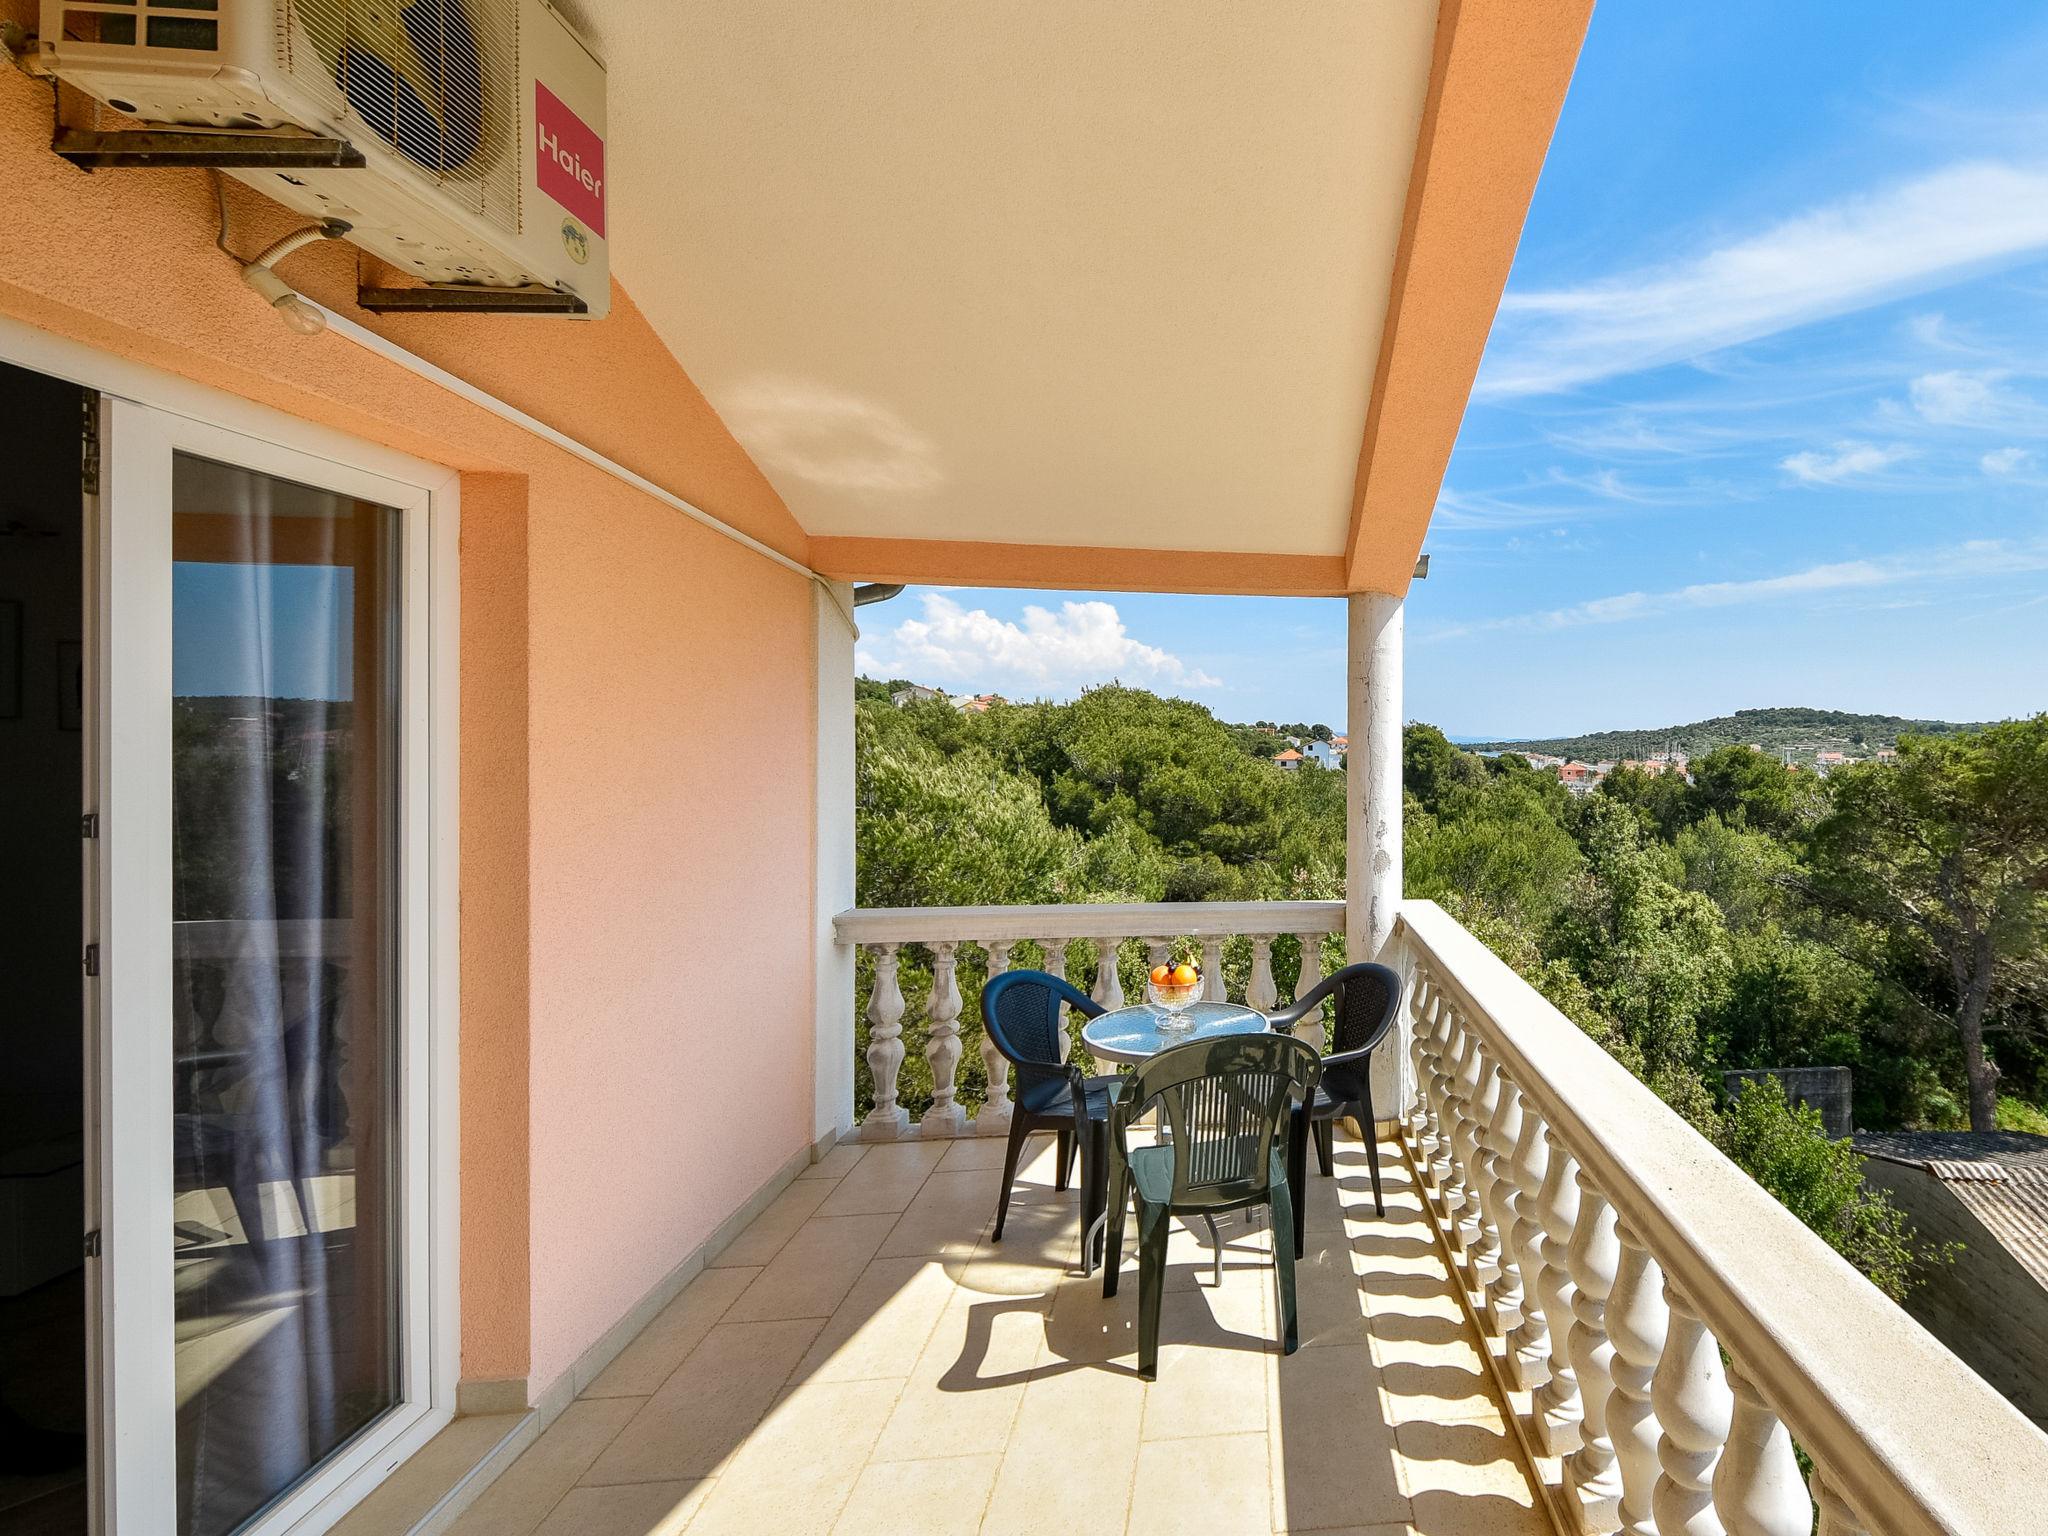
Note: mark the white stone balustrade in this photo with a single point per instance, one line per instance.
(1612, 1257)
(1065, 935)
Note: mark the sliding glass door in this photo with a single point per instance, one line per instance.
(265, 1222)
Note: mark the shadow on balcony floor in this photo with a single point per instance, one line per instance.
(863, 1359)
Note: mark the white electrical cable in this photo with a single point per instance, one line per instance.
(433, 373)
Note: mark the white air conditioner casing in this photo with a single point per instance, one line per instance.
(481, 122)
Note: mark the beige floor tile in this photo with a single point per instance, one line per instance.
(1213, 1346)
(1074, 1448)
(767, 1232)
(1041, 1242)
(885, 1178)
(971, 1152)
(962, 1395)
(708, 1406)
(641, 1509)
(883, 1325)
(796, 1472)
(417, 1485)
(1326, 1414)
(520, 1499)
(835, 1164)
(920, 1498)
(1430, 1368)
(678, 1328)
(946, 1217)
(1329, 1292)
(815, 1269)
(1467, 1479)
(1216, 1485)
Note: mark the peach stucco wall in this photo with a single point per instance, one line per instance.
(637, 756)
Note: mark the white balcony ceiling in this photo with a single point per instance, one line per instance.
(1044, 271)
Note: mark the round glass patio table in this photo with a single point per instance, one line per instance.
(1130, 1035)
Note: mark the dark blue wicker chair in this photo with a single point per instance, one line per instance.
(1021, 1012)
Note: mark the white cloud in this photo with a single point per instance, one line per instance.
(1048, 653)
(1833, 259)
(1846, 462)
(2005, 461)
(1959, 562)
(1953, 398)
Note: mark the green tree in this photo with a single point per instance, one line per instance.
(1742, 783)
(1942, 856)
(1820, 1181)
(1664, 801)
(1431, 767)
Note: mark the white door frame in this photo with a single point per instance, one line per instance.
(145, 416)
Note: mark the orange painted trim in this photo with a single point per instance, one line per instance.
(1497, 84)
(1059, 567)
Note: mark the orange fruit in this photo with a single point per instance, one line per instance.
(1184, 973)
(1162, 973)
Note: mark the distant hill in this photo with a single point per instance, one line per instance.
(1813, 730)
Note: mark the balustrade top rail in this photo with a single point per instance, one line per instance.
(1906, 1433)
(1086, 920)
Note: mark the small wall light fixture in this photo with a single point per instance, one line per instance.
(292, 307)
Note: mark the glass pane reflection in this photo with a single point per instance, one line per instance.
(285, 900)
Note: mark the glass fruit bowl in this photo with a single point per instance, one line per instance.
(1173, 994)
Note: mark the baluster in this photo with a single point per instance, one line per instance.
(1504, 1291)
(1432, 1022)
(1056, 965)
(946, 1117)
(1261, 995)
(1465, 1142)
(1757, 1488)
(1421, 1026)
(1109, 984)
(887, 1119)
(1158, 952)
(1637, 1326)
(1450, 1178)
(1481, 1212)
(1836, 1517)
(1557, 1408)
(1693, 1407)
(1528, 1351)
(994, 1119)
(1590, 1474)
(1213, 989)
(1311, 1027)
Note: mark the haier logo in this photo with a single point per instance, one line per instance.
(569, 162)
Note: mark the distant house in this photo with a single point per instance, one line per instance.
(1290, 759)
(979, 704)
(1988, 1191)
(914, 694)
(1825, 763)
(1887, 754)
(1325, 754)
(1581, 778)
(1542, 760)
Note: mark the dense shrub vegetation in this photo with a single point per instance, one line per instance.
(1892, 918)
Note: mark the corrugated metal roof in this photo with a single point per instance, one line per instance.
(2005, 1149)
(2013, 1206)
(2001, 1177)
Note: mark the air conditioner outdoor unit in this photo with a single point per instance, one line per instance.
(474, 129)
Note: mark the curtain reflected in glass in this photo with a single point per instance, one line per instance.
(286, 1027)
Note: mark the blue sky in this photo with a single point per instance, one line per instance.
(1763, 420)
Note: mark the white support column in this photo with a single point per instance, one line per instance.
(832, 975)
(1372, 798)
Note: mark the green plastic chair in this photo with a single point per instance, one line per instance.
(1226, 1106)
